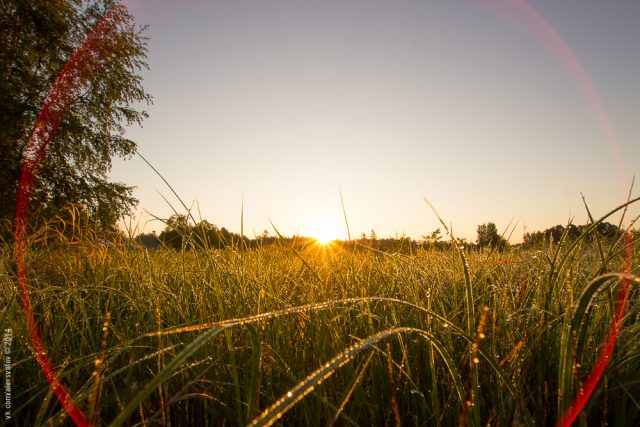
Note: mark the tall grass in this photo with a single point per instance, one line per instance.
(323, 335)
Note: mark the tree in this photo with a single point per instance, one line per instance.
(488, 237)
(38, 38)
(532, 239)
(180, 234)
(608, 230)
(434, 237)
(571, 232)
(148, 240)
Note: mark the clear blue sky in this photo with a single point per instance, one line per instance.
(283, 103)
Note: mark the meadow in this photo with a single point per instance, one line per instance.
(324, 334)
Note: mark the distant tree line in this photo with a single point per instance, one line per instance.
(181, 233)
(605, 230)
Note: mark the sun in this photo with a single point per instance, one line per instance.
(324, 232)
(323, 238)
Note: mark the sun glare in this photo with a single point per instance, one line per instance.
(323, 239)
(323, 232)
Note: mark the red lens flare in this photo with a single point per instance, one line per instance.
(85, 62)
(91, 54)
(610, 341)
(525, 17)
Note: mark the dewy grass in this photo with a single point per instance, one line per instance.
(240, 330)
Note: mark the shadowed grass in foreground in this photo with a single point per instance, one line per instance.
(324, 334)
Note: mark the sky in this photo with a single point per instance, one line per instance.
(493, 110)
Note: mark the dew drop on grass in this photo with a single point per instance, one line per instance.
(418, 392)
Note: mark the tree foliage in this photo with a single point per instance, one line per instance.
(488, 237)
(605, 230)
(38, 38)
(180, 234)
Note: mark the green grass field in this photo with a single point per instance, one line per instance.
(323, 335)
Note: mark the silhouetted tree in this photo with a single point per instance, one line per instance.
(532, 239)
(570, 232)
(176, 231)
(180, 234)
(488, 237)
(608, 230)
(149, 240)
(434, 237)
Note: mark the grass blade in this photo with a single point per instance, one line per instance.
(163, 375)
